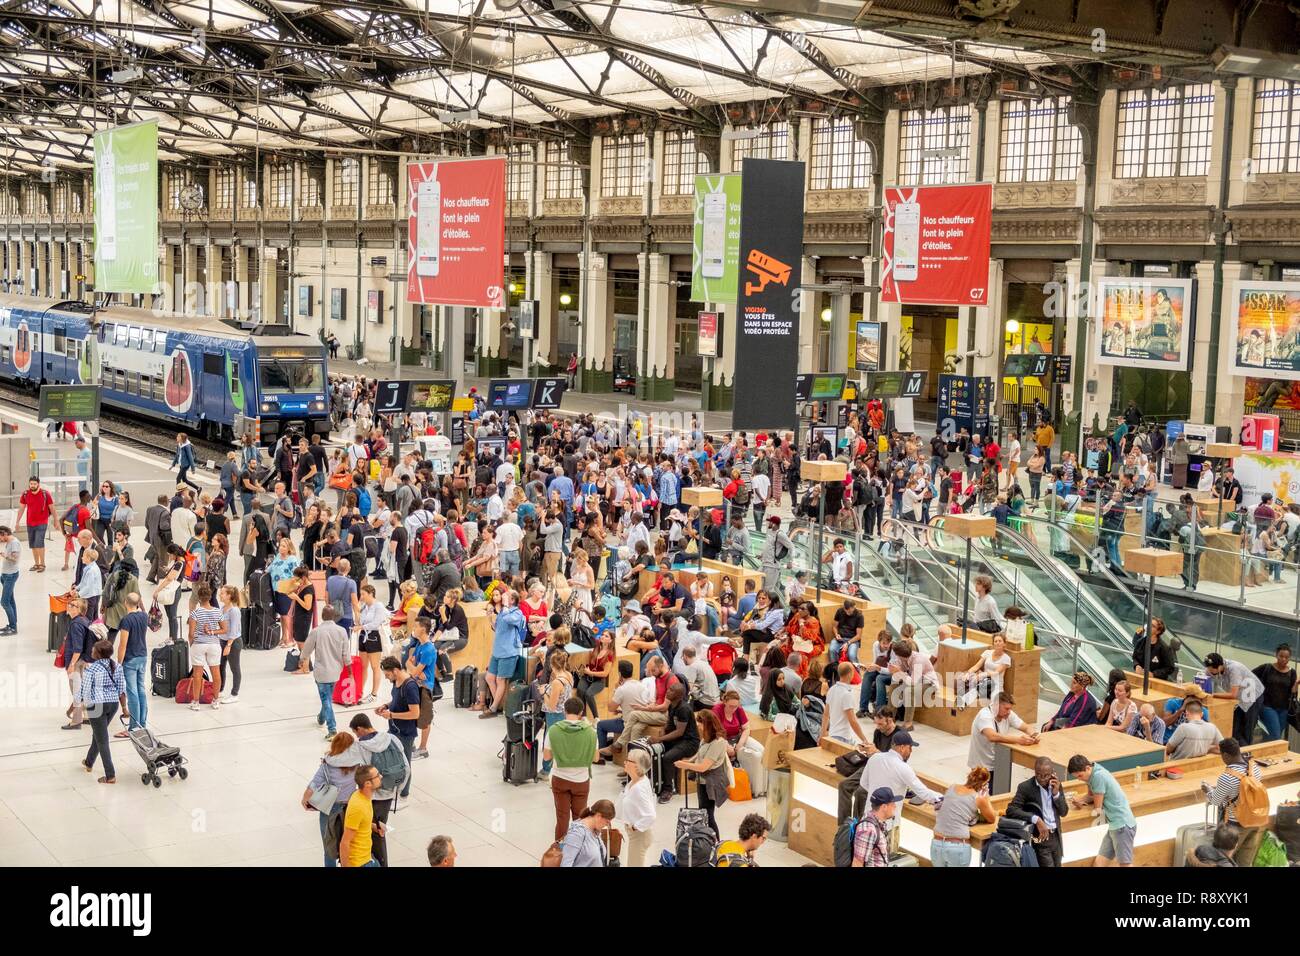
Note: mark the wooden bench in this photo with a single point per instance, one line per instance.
(952, 657)
(478, 652)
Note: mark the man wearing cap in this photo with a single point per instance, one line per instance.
(1193, 735)
(871, 840)
(1234, 681)
(776, 550)
(888, 770)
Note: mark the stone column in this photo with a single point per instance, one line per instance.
(598, 329)
(720, 381)
(988, 329)
(192, 294)
(213, 294)
(1230, 390)
(809, 316)
(1099, 378)
(841, 305)
(541, 287)
(57, 265)
(452, 326)
(25, 249)
(243, 286)
(655, 381)
(492, 360)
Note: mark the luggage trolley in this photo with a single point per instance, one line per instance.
(156, 756)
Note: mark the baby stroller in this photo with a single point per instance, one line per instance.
(156, 755)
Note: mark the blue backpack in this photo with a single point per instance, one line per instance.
(363, 502)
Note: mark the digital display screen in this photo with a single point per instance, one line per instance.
(827, 387)
(1026, 366)
(289, 352)
(430, 396)
(885, 384)
(509, 393)
(64, 403)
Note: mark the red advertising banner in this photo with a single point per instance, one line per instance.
(456, 237)
(935, 245)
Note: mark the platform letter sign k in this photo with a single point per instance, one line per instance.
(548, 393)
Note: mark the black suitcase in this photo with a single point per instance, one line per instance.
(466, 685)
(656, 753)
(522, 719)
(168, 665)
(519, 758)
(57, 631)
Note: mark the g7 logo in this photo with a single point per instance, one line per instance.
(977, 293)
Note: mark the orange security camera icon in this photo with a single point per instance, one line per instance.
(766, 269)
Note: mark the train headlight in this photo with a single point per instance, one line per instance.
(318, 406)
(268, 407)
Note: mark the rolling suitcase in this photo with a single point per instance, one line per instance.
(1191, 836)
(465, 686)
(57, 631)
(751, 761)
(520, 756)
(656, 752)
(697, 844)
(167, 665)
(521, 713)
(347, 689)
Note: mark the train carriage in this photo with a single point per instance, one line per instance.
(195, 372)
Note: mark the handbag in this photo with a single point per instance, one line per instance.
(61, 658)
(324, 798)
(846, 765)
(167, 593)
(155, 617)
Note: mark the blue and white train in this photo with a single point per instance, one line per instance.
(198, 373)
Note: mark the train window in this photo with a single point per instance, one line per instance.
(4, 354)
(70, 348)
(214, 364)
(119, 335)
(133, 339)
(133, 384)
(157, 384)
(59, 340)
(105, 332)
(120, 379)
(146, 340)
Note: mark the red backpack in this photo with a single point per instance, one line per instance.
(423, 549)
(722, 658)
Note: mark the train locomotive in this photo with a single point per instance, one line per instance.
(199, 373)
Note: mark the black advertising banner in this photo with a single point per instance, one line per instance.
(390, 398)
(548, 392)
(767, 294)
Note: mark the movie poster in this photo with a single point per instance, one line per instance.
(1265, 329)
(1144, 323)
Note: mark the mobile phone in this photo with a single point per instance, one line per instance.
(428, 223)
(714, 241)
(907, 241)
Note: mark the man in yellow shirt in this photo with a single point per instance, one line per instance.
(1044, 437)
(359, 821)
(751, 835)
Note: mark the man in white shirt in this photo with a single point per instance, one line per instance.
(1234, 681)
(760, 488)
(996, 724)
(839, 716)
(495, 507)
(628, 696)
(505, 473)
(509, 537)
(701, 682)
(841, 564)
(889, 769)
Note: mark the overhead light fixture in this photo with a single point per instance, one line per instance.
(827, 314)
(950, 152)
(566, 300)
(129, 75)
(1243, 62)
(458, 116)
(1013, 326)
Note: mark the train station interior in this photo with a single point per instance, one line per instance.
(905, 314)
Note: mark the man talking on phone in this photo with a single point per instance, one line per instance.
(1040, 802)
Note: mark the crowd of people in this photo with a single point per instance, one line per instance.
(556, 523)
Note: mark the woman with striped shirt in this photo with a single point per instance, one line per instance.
(102, 692)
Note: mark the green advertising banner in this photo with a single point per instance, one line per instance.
(126, 208)
(715, 249)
